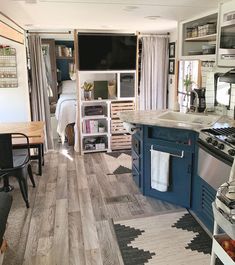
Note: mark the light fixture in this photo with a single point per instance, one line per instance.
(152, 17)
(31, 1)
(130, 8)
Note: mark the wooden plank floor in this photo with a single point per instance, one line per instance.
(72, 207)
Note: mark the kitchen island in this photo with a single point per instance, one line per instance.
(179, 139)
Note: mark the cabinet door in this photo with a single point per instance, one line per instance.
(203, 197)
(137, 158)
(179, 176)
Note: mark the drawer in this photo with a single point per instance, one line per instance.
(117, 126)
(136, 145)
(119, 142)
(117, 107)
(171, 135)
(136, 161)
(136, 176)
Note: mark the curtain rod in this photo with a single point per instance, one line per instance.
(49, 32)
(153, 34)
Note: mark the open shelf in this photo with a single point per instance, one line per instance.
(96, 150)
(94, 117)
(94, 134)
(211, 37)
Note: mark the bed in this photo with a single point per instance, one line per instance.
(66, 107)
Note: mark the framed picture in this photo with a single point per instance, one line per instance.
(171, 67)
(172, 50)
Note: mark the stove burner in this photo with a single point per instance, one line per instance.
(228, 131)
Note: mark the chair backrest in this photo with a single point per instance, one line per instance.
(6, 156)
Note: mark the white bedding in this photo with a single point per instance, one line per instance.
(65, 113)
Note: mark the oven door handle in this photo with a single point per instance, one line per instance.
(215, 152)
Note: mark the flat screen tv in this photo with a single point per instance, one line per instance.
(107, 52)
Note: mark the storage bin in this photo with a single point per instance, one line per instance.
(207, 29)
(194, 32)
(208, 49)
(189, 32)
(119, 142)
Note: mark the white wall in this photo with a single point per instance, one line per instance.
(171, 78)
(14, 102)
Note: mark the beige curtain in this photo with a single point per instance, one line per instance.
(39, 89)
(154, 72)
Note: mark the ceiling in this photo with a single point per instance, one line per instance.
(125, 15)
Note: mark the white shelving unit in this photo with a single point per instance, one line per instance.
(217, 251)
(122, 96)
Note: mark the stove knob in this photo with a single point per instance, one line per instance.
(214, 142)
(221, 146)
(209, 140)
(231, 152)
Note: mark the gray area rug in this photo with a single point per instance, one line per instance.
(173, 238)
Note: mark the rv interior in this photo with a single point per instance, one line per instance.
(117, 132)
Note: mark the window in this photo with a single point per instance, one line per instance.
(188, 80)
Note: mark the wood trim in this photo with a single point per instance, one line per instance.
(78, 122)
(176, 80)
(11, 20)
(49, 32)
(10, 33)
(199, 78)
(137, 73)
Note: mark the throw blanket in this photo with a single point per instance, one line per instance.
(65, 112)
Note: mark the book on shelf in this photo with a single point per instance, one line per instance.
(90, 126)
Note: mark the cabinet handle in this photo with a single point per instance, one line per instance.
(180, 156)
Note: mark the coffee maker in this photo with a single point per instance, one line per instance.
(201, 102)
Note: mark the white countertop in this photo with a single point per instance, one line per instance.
(152, 118)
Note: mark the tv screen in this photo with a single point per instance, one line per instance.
(107, 52)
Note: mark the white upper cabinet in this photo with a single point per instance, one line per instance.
(226, 35)
(197, 37)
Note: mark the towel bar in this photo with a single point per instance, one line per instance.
(180, 156)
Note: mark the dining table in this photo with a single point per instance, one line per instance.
(35, 132)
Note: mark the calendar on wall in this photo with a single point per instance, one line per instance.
(8, 67)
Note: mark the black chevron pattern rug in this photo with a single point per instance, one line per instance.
(118, 162)
(167, 239)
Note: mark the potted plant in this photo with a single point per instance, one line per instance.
(188, 83)
(101, 128)
(88, 87)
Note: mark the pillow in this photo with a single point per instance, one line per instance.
(68, 87)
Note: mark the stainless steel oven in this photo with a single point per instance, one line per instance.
(216, 155)
(212, 168)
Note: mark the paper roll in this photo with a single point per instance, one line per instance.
(129, 127)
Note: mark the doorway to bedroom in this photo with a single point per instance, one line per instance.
(60, 74)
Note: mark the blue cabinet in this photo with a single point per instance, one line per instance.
(179, 175)
(137, 157)
(173, 141)
(202, 198)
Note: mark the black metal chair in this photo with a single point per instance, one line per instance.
(15, 162)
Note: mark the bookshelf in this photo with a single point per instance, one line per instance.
(102, 131)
